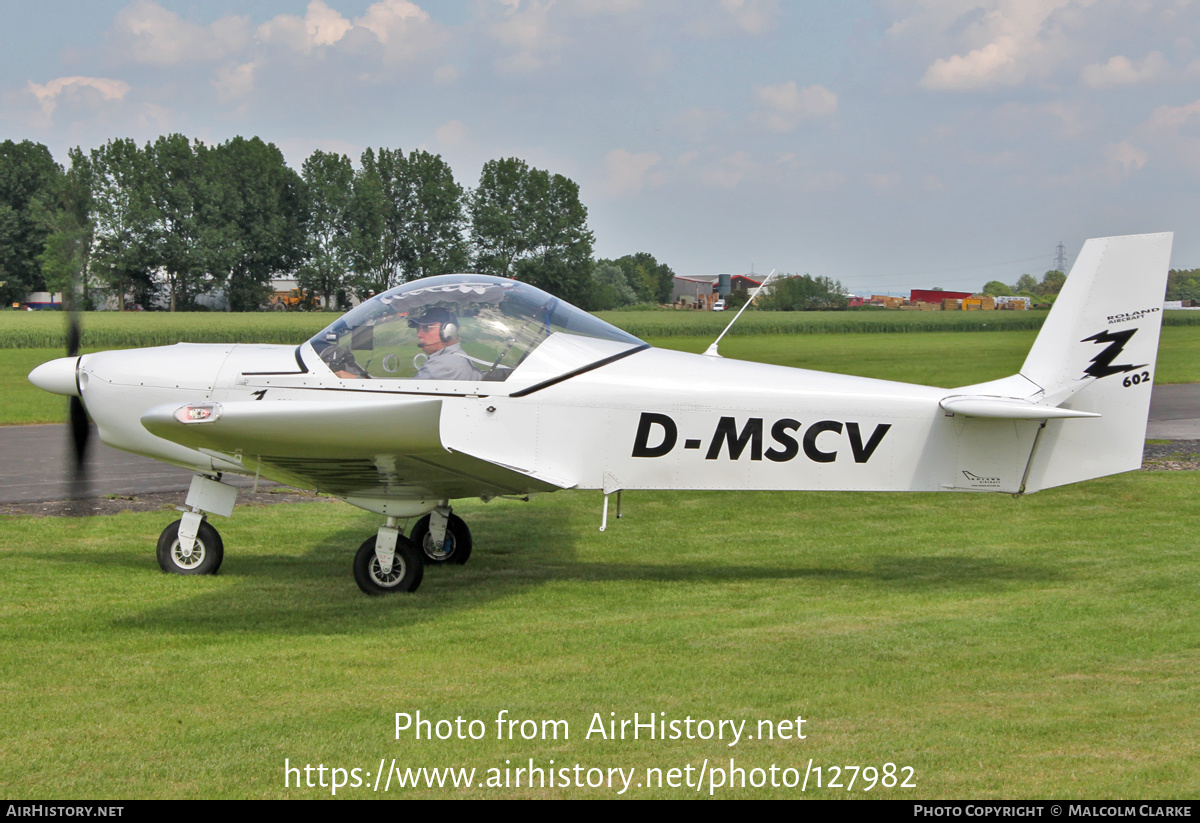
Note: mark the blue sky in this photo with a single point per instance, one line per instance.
(886, 144)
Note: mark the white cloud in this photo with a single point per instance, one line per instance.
(154, 119)
(1121, 71)
(527, 31)
(725, 17)
(1006, 42)
(401, 28)
(752, 16)
(1169, 130)
(392, 21)
(149, 33)
(627, 173)
(787, 105)
(997, 62)
(234, 82)
(320, 26)
(50, 94)
(323, 25)
(1171, 118)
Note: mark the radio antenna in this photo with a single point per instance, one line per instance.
(711, 351)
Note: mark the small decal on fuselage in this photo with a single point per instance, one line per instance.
(658, 434)
(978, 482)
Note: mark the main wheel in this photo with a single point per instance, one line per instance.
(405, 576)
(456, 548)
(205, 557)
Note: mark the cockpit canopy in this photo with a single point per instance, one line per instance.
(500, 324)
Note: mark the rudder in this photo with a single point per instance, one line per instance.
(1097, 351)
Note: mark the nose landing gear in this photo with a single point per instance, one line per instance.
(202, 556)
(191, 545)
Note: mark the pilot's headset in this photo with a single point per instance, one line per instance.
(449, 322)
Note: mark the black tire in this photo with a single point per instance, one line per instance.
(456, 548)
(206, 555)
(405, 576)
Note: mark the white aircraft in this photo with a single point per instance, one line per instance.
(523, 394)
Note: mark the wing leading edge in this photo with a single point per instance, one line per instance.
(366, 449)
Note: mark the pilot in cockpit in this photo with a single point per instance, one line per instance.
(437, 336)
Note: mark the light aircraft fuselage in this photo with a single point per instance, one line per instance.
(556, 399)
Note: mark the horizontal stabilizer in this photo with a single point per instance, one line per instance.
(1007, 408)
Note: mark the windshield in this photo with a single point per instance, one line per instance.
(456, 327)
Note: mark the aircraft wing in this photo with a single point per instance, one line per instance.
(381, 449)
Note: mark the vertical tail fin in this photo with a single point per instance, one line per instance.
(1097, 353)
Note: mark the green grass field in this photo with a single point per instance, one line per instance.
(1045, 647)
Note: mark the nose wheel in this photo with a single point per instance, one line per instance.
(204, 556)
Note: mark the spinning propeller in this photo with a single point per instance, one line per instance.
(60, 376)
(80, 429)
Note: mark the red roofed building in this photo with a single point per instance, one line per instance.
(935, 296)
(740, 282)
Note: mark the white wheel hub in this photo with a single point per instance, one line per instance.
(187, 558)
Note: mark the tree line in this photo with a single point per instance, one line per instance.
(1028, 286)
(1182, 284)
(175, 219)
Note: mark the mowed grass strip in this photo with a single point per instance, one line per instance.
(1041, 647)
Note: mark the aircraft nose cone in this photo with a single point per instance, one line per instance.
(57, 376)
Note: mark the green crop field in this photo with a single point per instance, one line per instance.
(109, 330)
(1045, 647)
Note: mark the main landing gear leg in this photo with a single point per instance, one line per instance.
(442, 536)
(388, 562)
(191, 545)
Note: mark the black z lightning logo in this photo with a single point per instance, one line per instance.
(1102, 364)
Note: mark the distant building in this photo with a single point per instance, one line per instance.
(745, 282)
(935, 295)
(694, 288)
(705, 289)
